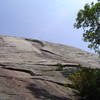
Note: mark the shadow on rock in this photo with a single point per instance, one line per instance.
(43, 94)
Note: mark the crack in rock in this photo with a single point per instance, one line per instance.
(64, 64)
(23, 70)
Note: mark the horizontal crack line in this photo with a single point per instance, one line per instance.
(66, 64)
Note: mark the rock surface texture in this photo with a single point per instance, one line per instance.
(28, 69)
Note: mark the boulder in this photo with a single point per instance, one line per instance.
(28, 69)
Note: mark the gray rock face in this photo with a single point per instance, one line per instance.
(28, 69)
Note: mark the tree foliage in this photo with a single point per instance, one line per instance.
(89, 21)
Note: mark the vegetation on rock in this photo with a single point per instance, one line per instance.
(59, 67)
(87, 81)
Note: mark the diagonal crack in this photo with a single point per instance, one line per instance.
(22, 70)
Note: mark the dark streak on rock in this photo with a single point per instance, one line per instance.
(37, 41)
(21, 70)
(59, 83)
(68, 65)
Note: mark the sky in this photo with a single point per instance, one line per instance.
(49, 20)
